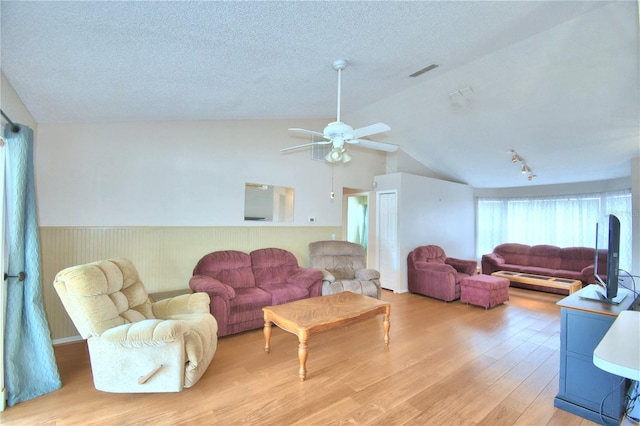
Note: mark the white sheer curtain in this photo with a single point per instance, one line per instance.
(564, 221)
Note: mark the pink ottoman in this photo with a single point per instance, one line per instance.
(484, 290)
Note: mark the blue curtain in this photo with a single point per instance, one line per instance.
(30, 365)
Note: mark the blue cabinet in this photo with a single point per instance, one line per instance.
(586, 390)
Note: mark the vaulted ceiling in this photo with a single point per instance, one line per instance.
(556, 81)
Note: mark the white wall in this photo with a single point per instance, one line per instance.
(431, 211)
(560, 189)
(635, 217)
(184, 173)
(13, 106)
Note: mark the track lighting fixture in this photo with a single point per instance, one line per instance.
(515, 158)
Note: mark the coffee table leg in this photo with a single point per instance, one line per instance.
(267, 335)
(302, 355)
(387, 325)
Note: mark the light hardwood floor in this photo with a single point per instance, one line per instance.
(447, 363)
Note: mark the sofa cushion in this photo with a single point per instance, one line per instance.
(230, 267)
(576, 258)
(536, 270)
(342, 258)
(563, 273)
(544, 256)
(112, 292)
(272, 265)
(510, 267)
(513, 253)
(249, 299)
(428, 254)
(284, 293)
(247, 305)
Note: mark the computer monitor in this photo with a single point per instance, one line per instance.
(607, 258)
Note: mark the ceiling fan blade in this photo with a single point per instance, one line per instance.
(304, 145)
(380, 146)
(369, 130)
(305, 131)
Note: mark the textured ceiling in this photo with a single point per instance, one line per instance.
(557, 81)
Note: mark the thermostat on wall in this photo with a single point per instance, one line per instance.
(312, 219)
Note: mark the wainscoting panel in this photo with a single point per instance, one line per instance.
(163, 256)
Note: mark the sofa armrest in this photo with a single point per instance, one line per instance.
(588, 274)
(146, 333)
(493, 258)
(211, 286)
(433, 267)
(367, 274)
(183, 304)
(468, 267)
(327, 276)
(491, 263)
(305, 277)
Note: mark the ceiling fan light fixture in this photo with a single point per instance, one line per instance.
(338, 154)
(334, 155)
(338, 133)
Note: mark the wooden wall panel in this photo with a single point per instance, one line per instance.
(164, 256)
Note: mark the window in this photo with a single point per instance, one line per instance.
(564, 221)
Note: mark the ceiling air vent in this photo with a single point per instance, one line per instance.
(319, 152)
(423, 70)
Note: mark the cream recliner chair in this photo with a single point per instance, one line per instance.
(136, 345)
(344, 268)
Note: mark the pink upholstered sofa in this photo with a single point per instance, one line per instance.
(432, 273)
(576, 263)
(240, 285)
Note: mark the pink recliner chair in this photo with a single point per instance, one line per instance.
(432, 273)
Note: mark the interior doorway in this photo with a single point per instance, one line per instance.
(358, 219)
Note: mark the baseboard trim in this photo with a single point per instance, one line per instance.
(67, 340)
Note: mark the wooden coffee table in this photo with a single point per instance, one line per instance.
(541, 280)
(309, 316)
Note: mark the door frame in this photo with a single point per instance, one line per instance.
(395, 279)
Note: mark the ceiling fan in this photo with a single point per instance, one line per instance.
(338, 132)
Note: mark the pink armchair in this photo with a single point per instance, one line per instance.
(432, 273)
